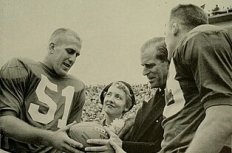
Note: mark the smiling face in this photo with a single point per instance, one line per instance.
(115, 100)
(63, 52)
(155, 69)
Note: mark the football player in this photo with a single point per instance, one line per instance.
(198, 111)
(39, 101)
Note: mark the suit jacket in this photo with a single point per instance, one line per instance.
(147, 132)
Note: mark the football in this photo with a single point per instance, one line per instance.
(83, 131)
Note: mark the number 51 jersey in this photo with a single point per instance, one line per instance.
(38, 96)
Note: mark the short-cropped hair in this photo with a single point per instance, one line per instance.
(159, 46)
(189, 15)
(61, 31)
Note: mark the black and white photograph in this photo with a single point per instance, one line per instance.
(116, 76)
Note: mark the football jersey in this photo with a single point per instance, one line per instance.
(38, 96)
(200, 76)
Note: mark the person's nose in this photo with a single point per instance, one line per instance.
(111, 99)
(145, 71)
(72, 58)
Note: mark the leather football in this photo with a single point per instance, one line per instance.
(83, 131)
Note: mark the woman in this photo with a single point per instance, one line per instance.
(117, 98)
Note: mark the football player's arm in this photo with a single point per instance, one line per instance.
(211, 67)
(19, 130)
(214, 130)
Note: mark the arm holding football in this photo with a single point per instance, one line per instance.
(23, 132)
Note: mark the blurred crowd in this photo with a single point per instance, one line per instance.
(218, 10)
(92, 110)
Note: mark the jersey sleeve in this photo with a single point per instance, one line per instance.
(138, 147)
(78, 103)
(13, 76)
(208, 55)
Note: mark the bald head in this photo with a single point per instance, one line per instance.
(62, 34)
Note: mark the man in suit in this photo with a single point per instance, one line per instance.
(146, 134)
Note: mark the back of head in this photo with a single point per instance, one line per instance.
(159, 46)
(188, 15)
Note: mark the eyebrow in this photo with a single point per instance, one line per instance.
(73, 51)
(149, 64)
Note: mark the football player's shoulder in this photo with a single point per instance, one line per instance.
(28, 61)
(200, 31)
(189, 45)
(207, 28)
(77, 83)
(190, 37)
(16, 68)
(19, 62)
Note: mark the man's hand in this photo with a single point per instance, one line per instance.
(116, 147)
(102, 145)
(60, 140)
(23, 132)
(105, 145)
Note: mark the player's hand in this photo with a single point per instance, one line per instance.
(60, 140)
(104, 145)
(128, 125)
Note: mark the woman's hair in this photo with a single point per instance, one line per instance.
(126, 88)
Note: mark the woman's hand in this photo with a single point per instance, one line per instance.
(112, 145)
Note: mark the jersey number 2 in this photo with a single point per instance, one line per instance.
(52, 106)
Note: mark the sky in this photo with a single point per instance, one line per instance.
(112, 32)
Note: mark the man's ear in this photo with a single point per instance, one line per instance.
(51, 48)
(175, 29)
